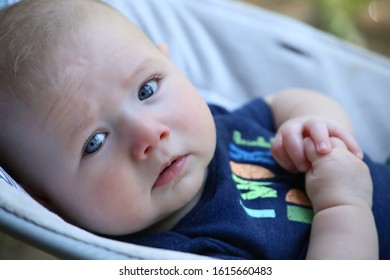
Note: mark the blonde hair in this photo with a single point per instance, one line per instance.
(33, 35)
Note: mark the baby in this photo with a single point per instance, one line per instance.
(101, 128)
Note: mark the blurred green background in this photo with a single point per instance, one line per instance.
(362, 22)
(12, 249)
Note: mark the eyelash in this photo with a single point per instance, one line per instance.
(149, 88)
(154, 77)
(84, 154)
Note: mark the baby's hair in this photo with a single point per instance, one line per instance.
(35, 35)
(32, 33)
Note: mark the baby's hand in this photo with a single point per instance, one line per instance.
(288, 148)
(336, 178)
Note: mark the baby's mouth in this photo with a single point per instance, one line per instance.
(167, 167)
(170, 171)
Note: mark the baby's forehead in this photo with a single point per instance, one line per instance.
(63, 66)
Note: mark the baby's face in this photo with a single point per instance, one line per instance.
(127, 142)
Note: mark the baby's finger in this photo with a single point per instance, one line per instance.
(311, 151)
(281, 156)
(349, 141)
(338, 143)
(319, 132)
(294, 148)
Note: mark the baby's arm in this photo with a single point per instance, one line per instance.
(315, 136)
(340, 189)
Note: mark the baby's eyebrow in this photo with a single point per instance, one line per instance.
(142, 66)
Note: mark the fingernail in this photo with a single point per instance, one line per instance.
(323, 147)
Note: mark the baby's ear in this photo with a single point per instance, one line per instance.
(163, 48)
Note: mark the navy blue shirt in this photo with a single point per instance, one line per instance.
(251, 208)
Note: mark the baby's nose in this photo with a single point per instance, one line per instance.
(146, 137)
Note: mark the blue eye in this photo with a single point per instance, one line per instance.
(94, 143)
(147, 90)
